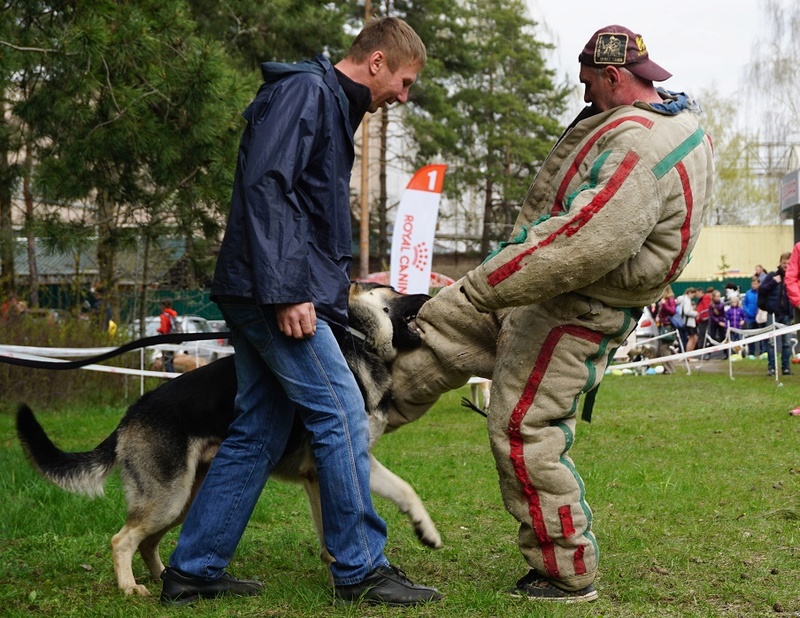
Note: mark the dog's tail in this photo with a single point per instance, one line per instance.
(79, 473)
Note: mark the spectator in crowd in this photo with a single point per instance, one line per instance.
(716, 319)
(780, 313)
(731, 290)
(735, 318)
(703, 303)
(168, 315)
(101, 308)
(750, 308)
(760, 273)
(792, 284)
(10, 307)
(687, 309)
(667, 308)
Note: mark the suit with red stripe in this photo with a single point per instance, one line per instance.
(608, 222)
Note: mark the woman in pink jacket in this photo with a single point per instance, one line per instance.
(792, 284)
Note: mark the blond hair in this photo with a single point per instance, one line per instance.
(395, 38)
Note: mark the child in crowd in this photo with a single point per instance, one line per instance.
(750, 308)
(735, 318)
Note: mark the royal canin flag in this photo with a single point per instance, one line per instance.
(414, 229)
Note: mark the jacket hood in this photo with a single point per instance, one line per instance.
(273, 71)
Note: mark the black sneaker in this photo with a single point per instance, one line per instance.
(533, 586)
(183, 589)
(386, 585)
(787, 372)
(771, 373)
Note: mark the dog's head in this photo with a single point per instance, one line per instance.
(382, 315)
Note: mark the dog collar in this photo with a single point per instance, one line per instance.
(357, 334)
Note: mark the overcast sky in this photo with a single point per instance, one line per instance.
(703, 43)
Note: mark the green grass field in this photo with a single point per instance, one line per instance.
(693, 480)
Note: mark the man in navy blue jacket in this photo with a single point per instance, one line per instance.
(773, 289)
(282, 281)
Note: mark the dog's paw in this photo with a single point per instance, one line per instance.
(137, 589)
(428, 535)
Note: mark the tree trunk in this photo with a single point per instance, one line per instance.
(33, 268)
(7, 236)
(383, 243)
(487, 216)
(107, 258)
(145, 275)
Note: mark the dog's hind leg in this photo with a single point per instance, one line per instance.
(385, 483)
(148, 549)
(170, 516)
(311, 485)
(123, 545)
(150, 516)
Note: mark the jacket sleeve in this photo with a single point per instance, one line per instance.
(607, 222)
(687, 308)
(164, 324)
(284, 128)
(791, 277)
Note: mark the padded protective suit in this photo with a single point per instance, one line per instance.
(608, 222)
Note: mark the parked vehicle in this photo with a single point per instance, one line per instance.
(209, 350)
(187, 324)
(647, 327)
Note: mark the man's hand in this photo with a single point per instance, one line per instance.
(297, 321)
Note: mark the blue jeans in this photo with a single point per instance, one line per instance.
(784, 343)
(276, 377)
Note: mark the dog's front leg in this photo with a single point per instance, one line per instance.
(311, 485)
(385, 483)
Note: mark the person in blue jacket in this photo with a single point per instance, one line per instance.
(282, 280)
(750, 306)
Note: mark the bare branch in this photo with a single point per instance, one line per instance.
(39, 50)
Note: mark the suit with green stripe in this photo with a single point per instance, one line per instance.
(608, 222)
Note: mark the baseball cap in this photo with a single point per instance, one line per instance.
(618, 46)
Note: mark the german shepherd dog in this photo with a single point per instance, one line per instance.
(164, 444)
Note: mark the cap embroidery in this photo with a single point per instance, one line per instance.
(640, 44)
(611, 48)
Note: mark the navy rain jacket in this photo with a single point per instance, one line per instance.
(777, 300)
(288, 238)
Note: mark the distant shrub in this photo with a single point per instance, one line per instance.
(47, 386)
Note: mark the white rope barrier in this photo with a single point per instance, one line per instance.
(103, 368)
(8, 350)
(771, 331)
(56, 355)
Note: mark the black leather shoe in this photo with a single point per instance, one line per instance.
(386, 585)
(183, 589)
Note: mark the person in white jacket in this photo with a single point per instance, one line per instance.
(689, 314)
